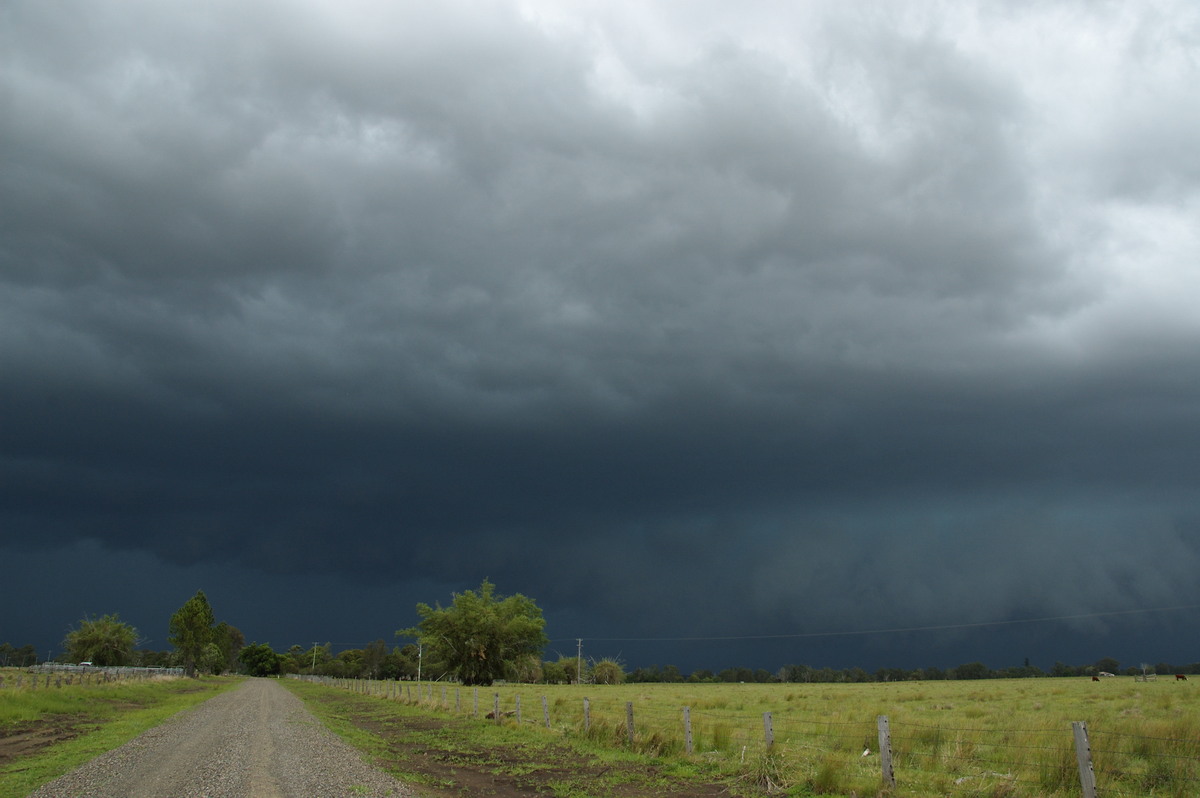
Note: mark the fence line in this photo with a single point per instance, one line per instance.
(52, 675)
(1047, 760)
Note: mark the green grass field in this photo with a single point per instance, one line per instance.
(994, 738)
(957, 738)
(47, 731)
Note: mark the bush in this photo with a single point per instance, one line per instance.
(608, 671)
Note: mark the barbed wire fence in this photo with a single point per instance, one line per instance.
(1051, 760)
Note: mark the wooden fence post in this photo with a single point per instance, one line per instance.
(546, 711)
(496, 707)
(885, 750)
(629, 721)
(768, 731)
(457, 702)
(587, 716)
(687, 729)
(518, 698)
(1083, 753)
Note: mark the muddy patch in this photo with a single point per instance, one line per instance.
(435, 753)
(25, 739)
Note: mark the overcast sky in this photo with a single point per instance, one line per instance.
(804, 321)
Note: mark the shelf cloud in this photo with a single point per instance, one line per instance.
(683, 319)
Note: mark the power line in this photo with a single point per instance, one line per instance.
(894, 630)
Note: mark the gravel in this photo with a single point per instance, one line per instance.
(258, 741)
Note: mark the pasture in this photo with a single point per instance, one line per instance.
(1000, 738)
(47, 729)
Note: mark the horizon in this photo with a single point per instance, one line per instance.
(690, 651)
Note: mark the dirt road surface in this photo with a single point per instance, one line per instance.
(257, 741)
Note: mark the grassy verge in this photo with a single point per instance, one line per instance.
(79, 722)
(462, 757)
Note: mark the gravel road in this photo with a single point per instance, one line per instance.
(257, 741)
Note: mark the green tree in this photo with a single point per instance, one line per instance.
(649, 674)
(191, 629)
(230, 640)
(315, 658)
(147, 658)
(555, 673)
(480, 635)
(353, 663)
(101, 641)
(212, 660)
(972, 670)
(405, 660)
(25, 655)
(394, 665)
(576, 669)
(525, 670)
(260, 660)
(292, 660)
(372, 658)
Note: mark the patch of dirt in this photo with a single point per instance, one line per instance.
(515, 772)
(25, 739)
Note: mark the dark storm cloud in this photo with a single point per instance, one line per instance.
(845, 312)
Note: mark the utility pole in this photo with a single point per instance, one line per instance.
(314, 665)
(420, 656)
(579, 661)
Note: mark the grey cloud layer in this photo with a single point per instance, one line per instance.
(460, 286)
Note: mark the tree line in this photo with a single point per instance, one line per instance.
(13, 657)
(970, 670)
(201, 644)
(480, 638)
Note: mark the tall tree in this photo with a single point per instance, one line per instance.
(480, 634)
(372, 658)
(230, 640)
(101, 641)
(25, 655)
(191, 629)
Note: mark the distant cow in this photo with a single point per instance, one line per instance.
(1095, 678)
(1179, 677)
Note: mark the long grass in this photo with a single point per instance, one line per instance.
(439, 755)
(102, 716)
(997, 738)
